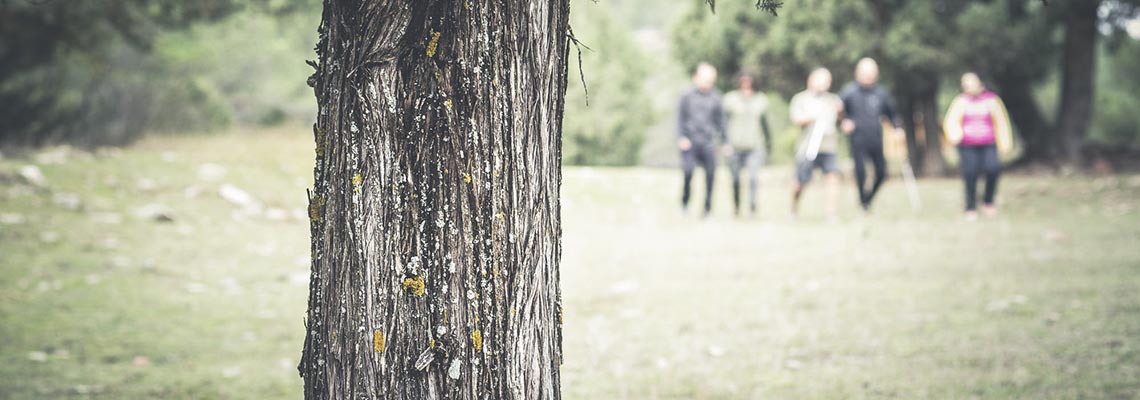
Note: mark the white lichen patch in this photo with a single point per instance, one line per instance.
(453, 370)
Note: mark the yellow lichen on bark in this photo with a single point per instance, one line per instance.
(414, 285)
(433, 44)
(320, 142)
(477, 340)
(378, 341)
(315, 206)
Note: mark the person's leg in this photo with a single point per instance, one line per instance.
(970, 166)
(857, 156)
(879, 161)
(708, 162)
(735, 164)
(803, 176)
(755, 159)
(688, 163)
(830, 166)
(991, 166)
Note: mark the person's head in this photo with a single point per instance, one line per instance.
(867, 72)
(972, 84)
(745, 82)
(704, 76)
(819, 80)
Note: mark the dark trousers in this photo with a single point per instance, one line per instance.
(975, 161)
(705, 156)
(861, 152)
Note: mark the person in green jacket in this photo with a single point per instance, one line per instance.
(749, 141)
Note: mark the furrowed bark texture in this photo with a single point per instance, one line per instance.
(435, 215)
(1078, 78)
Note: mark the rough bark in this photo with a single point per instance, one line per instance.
(1059, 139)
(435, 214)
(922, 121)
(914, 141)
(1024, 113)
(1078, 68)
(933, 163)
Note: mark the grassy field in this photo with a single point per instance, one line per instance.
(128, 275)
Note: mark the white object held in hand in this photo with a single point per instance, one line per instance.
(814, 141)
(911, 184)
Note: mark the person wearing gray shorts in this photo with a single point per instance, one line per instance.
(825, 162)
(816, 112)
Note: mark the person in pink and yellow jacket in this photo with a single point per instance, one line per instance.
(978, 124)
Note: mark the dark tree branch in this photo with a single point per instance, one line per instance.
(771, 6)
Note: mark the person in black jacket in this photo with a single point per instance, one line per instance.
(865, 103)
(700, 128)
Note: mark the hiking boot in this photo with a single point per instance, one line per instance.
(971, 215)
(989, 210)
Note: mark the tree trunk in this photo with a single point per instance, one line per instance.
(914, 142)
(435, 214)
(924, 131)
(1078, 69)
(1035, 132)
(1015, 86)
(927, 116)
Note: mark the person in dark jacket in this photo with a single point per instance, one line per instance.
(700, 129)
(865, 103)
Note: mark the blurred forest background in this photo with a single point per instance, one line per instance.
(106, 72)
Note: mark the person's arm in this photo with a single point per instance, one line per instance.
(1003, 132)
(800, 117)
(846, 124)
(683, 118)
(721, 121)
(683, 134)
(767, 133)
(952, 124)
(890, 111)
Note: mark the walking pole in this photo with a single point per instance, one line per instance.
(814, 141)
(908, 177)
(898, 147)
(911, 184)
